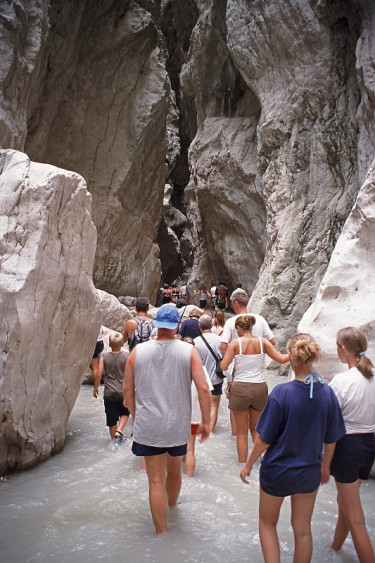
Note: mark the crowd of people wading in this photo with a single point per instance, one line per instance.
(168, 374)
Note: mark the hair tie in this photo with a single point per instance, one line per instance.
(361, 354)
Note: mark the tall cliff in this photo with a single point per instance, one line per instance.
(258, 116)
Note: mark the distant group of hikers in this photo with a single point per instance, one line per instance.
(169, 379)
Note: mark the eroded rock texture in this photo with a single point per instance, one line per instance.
(275, 158)
(346, 294)
(113, 314)
(259, 116)
(48, 305)
(95, 98)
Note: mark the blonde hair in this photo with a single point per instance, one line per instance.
(116, 340)
(194, 313)
(245, 322)
(303, 349)
(355, 342)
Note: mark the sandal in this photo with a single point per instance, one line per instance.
(118, 437)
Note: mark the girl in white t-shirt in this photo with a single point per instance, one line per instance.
(355, 452)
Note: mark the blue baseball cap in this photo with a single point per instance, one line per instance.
(167, 317)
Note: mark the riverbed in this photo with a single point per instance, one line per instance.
(90, 503)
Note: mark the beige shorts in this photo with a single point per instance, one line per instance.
(244, 396)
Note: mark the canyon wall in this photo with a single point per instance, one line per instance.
(346, 294)
(285, 145)
(218, 138)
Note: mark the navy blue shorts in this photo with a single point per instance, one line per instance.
(217, 389)
(98, 348)
(113, 411)
(353, 458)
(142, 450)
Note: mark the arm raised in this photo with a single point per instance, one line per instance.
(273, 353)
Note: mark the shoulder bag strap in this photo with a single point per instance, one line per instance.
(209, 347)
(180, 321)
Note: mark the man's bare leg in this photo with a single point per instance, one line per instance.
(190, 457)
(122, 422)
(173, 481)
(156, 473)
(215, 401)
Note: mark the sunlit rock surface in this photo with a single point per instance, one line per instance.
(270, 207)
(48, 305)
(86, 89)
(258, 115)
(346, 294)
(113, 313)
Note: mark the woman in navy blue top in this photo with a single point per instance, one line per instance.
(299, 417)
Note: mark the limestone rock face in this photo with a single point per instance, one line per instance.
(113, 313)
(224, 198)
(346, 294)
(97, 100)
(258, 115)
(48, 305)
(274, 161)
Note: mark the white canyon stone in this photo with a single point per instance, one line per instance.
(48, 305)
(346, 295)
(113, 313)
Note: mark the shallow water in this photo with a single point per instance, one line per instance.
(91, 503)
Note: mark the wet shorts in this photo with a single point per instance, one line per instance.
(217, 389)
(113, 411)
(174, 451)
(98, 348)
(353, 458)
(244, 396)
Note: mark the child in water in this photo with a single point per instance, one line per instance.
(112, 367)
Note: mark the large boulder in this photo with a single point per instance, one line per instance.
(48, 305)
(113, 313)
(346, 294)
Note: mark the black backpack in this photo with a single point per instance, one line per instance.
(142, 333)
(221, 293)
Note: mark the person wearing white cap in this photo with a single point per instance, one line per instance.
(157, 390)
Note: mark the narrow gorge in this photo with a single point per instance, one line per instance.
(145, 141)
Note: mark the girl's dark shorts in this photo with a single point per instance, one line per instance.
(98, 348)
(353, 458)
(174, 451)
(202, 303)
(113, 411)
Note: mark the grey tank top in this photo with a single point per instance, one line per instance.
(114, 367)
(162, 393)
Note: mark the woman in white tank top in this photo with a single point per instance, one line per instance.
(248, 391)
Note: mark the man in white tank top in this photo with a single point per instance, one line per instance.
(157, 390)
